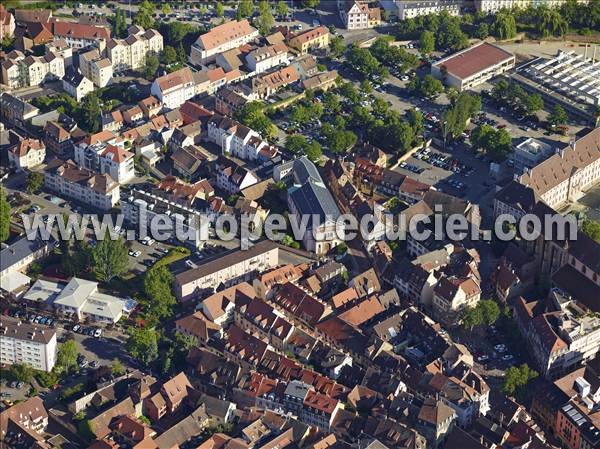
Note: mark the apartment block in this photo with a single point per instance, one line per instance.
(221, 38)
(67, 179)
(409, 9)
(238, 140)
(228, 270)
(20, 71)
(27, 153)
(174, 89)
(106, 157)
(131, 53)
(96, 68)
(31, 344)
(358, 15)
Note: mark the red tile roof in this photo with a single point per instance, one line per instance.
(474, 60)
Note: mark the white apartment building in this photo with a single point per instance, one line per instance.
(32, 344)
(357, 15)
(20, 71)
(69, 180)
(98, 69)
(265, 58)
(27, 153)
(221, 38)
(236, 139)
(106, 158)
(409, 9)
(567, 174)
(130, 53)
(230, 269)
(492, 6)
(175, 88)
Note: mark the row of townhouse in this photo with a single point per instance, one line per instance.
(131, 53)
(238, 140)
(20, 71)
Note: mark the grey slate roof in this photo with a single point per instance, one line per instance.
(313, 198)
(22, 248)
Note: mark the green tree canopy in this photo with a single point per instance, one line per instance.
(143, 345)
(591, 228)
(265, 20)
(252, 115)
(35, 182)
(157, 286)
(220, 9)
(144, 17)
(282, 8)
(66, 358)
(337, 46)
(427, 42)
(516, 378)
(245, 9)
(4, 217)
(109, 259)
(558, 116)
(504, 26)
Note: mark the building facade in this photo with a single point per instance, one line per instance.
(31, 344)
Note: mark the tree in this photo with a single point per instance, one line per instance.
(265, 19)
(21, 372)
(66, 358)
(4, 217)
(117, 367)
(253, 115)
(120, 24)
(142, 344)
(427, 42)
(551, 23)
(313, 151)
(165, 8)
(76, 257)
(339, 140)
(143, 18)
(591, 228)
(91, 112)
(534, 103)
(472, 317)
(363, 61)
(167, 56)
(366, 87)
(157, 286)
(150, 68)
(504, 26)
(109, 259)
(489, 311)
(311, 3)
(337, 46)
(220, 9)
(296, 143)
(431, 86)
(482, 31)
(288, 240)
(282, 8)
(558, 116)
(35, 182)
(416, 120)
(517, 378)
(245, 9)
(332, 102)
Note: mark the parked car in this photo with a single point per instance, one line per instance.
(97, 333)
(76, 328)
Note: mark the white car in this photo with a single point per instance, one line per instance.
(97, 333)
(76, 328)
(500, 348)
(135, 253)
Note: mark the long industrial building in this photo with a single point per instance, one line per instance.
(569, 79)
